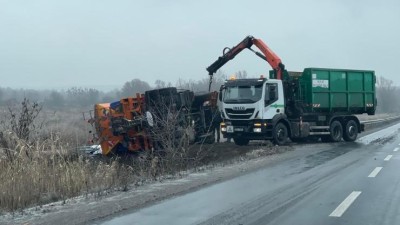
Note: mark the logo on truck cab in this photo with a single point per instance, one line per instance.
(239, 108)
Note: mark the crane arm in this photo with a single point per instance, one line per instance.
(273, 59)
(266, 53)
(229, 55)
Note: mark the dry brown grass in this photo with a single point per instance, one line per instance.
(47, 172)
(47, 167)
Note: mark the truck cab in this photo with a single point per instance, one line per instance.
(250, 107)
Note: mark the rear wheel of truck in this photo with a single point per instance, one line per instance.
(241, 141)
(336, 131)
(280, 134)
(350, 131)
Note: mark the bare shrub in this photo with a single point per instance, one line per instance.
(177, 126)
(22, 120)
(38, 166)
(170, 132)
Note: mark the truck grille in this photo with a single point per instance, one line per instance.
(239, 114)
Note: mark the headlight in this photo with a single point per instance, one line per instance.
(223, 129)
(257, 130)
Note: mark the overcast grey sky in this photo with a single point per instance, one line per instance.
(102, 44)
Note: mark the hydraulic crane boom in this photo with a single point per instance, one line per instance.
(267, 54)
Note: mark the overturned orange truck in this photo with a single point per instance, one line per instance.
(134, 123)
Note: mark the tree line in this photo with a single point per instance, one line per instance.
(84, 98)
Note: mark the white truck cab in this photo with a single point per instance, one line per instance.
(250, 107)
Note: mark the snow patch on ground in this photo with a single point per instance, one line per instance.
(385, 133)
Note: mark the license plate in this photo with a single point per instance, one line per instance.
(229, 129)
(239, 129)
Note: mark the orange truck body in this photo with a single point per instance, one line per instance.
(128, 108)
(102, 123)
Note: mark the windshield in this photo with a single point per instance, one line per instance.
(242, 94)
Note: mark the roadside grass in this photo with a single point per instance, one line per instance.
(47, 167)
(47, 172)
(44, 165)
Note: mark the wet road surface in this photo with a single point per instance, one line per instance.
(337, 183)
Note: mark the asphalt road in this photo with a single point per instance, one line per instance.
(340, 183)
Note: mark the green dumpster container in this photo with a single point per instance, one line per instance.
(336, 91)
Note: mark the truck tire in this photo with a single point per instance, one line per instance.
(336, 131)
(241, 141)
(350, 131)
(280, 134)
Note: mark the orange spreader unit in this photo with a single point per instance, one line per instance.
(131, 138)
(102, 122)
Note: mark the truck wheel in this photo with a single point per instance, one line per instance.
(280, 134)
(350, 131)
(241, 141)
(336, 131)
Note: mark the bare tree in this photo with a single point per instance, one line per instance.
(132, 87)
(387, 94)
(82, 96)
(55, 99)
(186, 84)
(162, 84)
(242, 74)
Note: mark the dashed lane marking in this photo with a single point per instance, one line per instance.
(375, 172)
(338, 212)
(396, 149)
(388, 157)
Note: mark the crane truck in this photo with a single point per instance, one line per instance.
(317, 103)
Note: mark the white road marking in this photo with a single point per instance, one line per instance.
(388, 157)
(375, 172)
(338, 212)
(396, 149)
